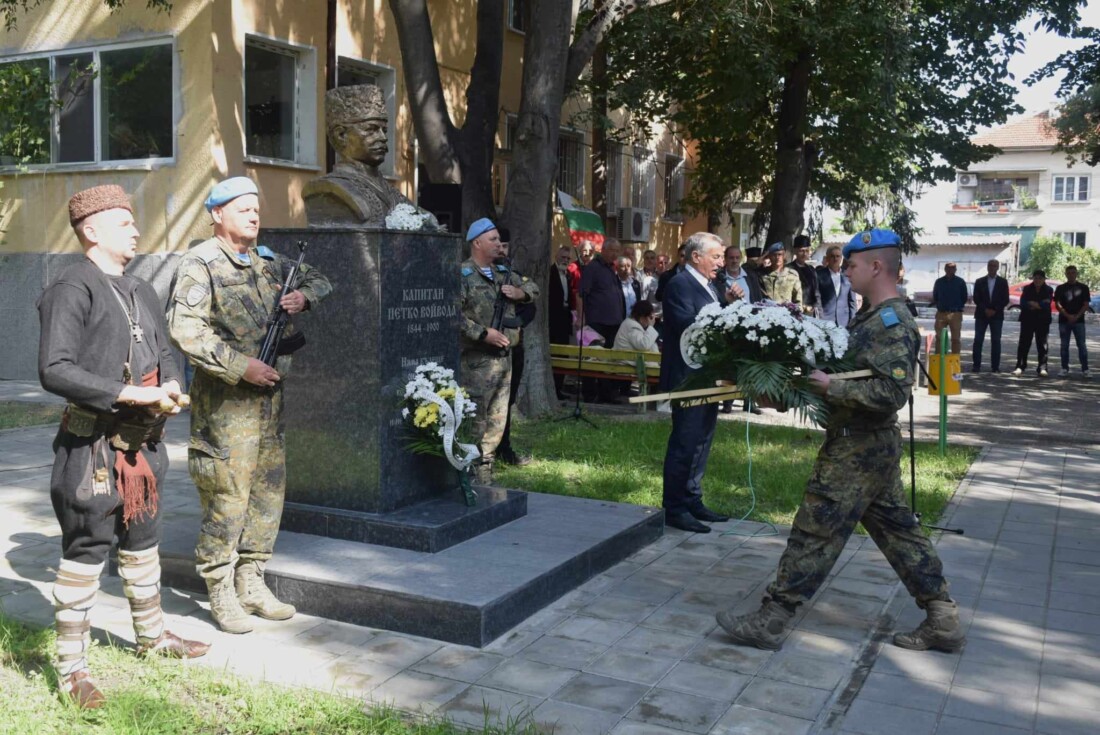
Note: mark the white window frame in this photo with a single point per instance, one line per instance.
(305, 101)
(643, 183)
(502, 167)
(1076, 239)
(674, 177)
(387, 81)
(577, 136)
(508, 20)
(98, 164)
(613, 176)
(1076, 180)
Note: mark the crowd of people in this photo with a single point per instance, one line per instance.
(1038, 303)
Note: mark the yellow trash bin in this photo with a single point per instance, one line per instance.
(951, 385)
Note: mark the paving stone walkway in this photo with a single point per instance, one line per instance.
(636, 650)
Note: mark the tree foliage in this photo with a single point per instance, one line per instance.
(1078, 122)
(1053, 254)
(10, 10)
(832, 98)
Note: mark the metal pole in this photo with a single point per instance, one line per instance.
(943, 392)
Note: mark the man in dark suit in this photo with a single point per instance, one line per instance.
(669, 274)
(836, 300)
(990, 302)
(559, 305)
(692, 427)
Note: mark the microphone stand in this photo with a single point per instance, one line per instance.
(578, 413)
(913, 461)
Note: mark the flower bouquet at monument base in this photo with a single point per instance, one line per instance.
(767, 350)
(433, 410)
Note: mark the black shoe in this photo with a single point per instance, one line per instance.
(512, 457)
(703, 513)
(726, 407)
(685, 522)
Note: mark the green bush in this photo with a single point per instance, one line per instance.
(1052, 255)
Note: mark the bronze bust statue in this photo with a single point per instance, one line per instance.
(355, 193)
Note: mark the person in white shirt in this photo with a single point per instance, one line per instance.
(637, 332)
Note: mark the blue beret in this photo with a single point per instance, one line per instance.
(479, 228)
(775, 247)
(228, 190)
(872, 240)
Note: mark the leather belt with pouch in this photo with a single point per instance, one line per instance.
(125, 434)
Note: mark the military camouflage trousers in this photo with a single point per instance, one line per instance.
(487, 379)
(237, 460)
(856, 479)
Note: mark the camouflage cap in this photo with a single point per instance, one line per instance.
(97, 199)
(346, 105)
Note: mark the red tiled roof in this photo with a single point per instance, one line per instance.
(1030, 132)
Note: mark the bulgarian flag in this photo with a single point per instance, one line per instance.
(584, 224)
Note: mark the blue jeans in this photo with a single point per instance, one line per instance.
(1078, 330)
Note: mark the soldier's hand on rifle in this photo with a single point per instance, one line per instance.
(514, 293)
(295, 302)
(495, 338)
(261, 374)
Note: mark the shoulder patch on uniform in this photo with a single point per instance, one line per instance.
(898, 373)
(467, 271)
(265, 252)
(889, 317)
(195, 294)
(525, 279)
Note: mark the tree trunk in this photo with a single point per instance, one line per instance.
(477, 139)
(527, 208)
(795, 156)
(435, 132)
(599, 126)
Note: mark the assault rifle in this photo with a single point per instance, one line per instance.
(500, 306)
(274, 345)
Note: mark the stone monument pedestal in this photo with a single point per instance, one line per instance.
(394, 305)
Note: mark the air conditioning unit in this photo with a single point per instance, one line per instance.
(968, 181)
(633, 225)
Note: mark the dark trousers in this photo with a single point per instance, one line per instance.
(994, 325)
(1028, 331)
(513, 391)
(89, 520)
(686, 457)
(1078, 332)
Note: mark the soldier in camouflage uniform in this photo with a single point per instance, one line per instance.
(780, 284)
(857, 475)
(486, 365)
(225, 290)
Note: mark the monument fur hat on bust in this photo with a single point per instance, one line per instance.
(97, 199)
(347, 105)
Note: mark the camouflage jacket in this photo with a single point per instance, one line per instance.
(220, 304)
(479, 296)
(782, 286)
(885, 340)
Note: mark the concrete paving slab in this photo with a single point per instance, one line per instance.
(684, 712)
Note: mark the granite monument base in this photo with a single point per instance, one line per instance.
(469, 593)
(430, 526)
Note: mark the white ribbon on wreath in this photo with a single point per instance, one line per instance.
(450, 419)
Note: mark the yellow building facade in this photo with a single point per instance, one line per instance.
(167, 104)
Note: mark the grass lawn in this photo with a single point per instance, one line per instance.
(621, 460)
(14, 414)
(155, 697)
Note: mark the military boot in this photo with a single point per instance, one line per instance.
(940, 631)
(482, 473)
(763, 629)
(255, 597)
(225, 608)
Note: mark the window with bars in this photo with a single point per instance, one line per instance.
(100, 105)
(643, 179)
(614, 178)
(571, 163)
(1071, 188)
(674, 187)
(1077, 239)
